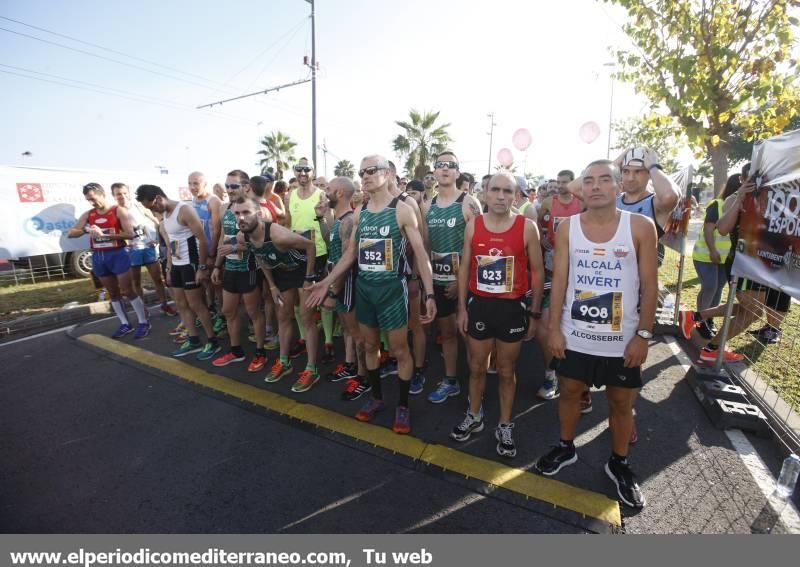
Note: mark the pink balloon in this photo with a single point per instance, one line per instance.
(589, 132)
(522, 139)
(505, 157)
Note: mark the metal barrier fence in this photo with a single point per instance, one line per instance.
(28, 271)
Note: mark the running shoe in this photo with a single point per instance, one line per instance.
(305, 381)
(227, 359)
(123, 330)
(187, 347)
(328, 355)
(705, 330)
(624, 479)
(505, 440)
(177, 330)
(258, 363)
(549, 389)
(402, 420)
(271, 342)
(218, 324)
(586, 402)
(181, 338)
(558, 458)
(355, 388)
(343, 371)
(369, 410)
(389, 367)
(168, 310)
(417, 383)
(771, 336)
(686, 322)
(298, 349)
(710, 355)
(443, 391)
(467, 427)
(142, 330)
(209, 350)
(278, 371)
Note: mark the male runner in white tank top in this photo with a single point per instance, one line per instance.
(604, 269)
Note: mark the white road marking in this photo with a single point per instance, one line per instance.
(36, 336)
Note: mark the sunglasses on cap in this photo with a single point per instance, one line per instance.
(447, 164)
(302, 169)
(371, 170)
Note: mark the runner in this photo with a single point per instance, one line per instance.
(604, 268)
(109, 226)
(143, 249)
(447, 216)
(341, 295)
(302, 218)
(282, 255)
(261, 187)
(500, 248)
(187, 265)
(238, 274)
(384, 228)
(430, 186)
(553, 210)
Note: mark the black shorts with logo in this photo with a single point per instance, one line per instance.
(289, 279)
(183, 277)
(444, 305)
(493, 318)
(598, 371)
(241, 282)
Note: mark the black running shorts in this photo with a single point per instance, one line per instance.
(492, 318)
(598, 371)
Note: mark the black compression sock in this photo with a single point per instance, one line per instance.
(374, 378)
(404, 387)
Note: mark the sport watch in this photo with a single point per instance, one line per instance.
(645, 334)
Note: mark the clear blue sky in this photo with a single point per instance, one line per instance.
(536, 65)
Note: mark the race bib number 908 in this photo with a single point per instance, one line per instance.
(599, 312)
(445, 266)
(375, 255)
(495, 274)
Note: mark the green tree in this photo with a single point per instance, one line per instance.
(344, 168)
(420, 141)
(636, 132)
(742, 149)
(278, 150)
(710, 66)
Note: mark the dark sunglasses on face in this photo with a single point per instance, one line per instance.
(302, 169)
(447, 164)
(233, 186)
(372, 170)
(429, 178)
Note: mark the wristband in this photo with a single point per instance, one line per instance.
(535, 315)
(202, 267)
(311, 277)
(330, 294)
(320, 219)
(429, 296)
(656, 166)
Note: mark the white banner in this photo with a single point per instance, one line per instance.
(39, 205)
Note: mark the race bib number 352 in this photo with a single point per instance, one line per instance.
(445, 266)
(375, 255)
(495, 274)
(600, 312)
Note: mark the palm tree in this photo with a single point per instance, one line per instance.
(344, 168)
(421, 141)
(278, 150)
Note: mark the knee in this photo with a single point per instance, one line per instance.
(505, 369)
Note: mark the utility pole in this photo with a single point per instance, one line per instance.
(491, 136)
(313, 85)
(610, 110)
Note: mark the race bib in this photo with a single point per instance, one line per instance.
(104, 242)
(495, 274)
(375, 255)
(445, 266)
(233, 255)
(599, 312)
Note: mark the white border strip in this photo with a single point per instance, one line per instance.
(789, 516)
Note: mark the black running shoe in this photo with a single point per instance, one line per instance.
(298, 349)
(505, 440)
(558, 458)
(627, 487)
(356, 387)
(467, 427)
(705, 330)
(343, 371)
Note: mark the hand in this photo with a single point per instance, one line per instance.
(747, 187)
(635, 352)
(308, 285)
(620, 158)
(557, 344)
(277, 298)
(226, 249)
(322, 207)
(201, 276)
(650, 158)
(533, 324)
(451, 292)
(715, 257)
(215, 276)
(430, 311)
(462, 320)
(316, 294)
(95, 231)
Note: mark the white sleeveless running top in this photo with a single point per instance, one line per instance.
(600, 312)
(182, 243)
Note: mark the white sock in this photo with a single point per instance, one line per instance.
(138, 306)
(550, 374)
(117, 305)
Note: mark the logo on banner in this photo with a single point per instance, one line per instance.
(30, 193)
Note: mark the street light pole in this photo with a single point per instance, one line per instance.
(491, 136)
(313, 85)
(610, 110)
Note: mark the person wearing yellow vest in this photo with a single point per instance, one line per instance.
(709, 255)
(302, 217)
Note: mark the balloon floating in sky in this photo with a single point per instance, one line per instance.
(522, 139)
(589, 132)
(505, 157)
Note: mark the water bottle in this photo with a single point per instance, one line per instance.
(788, 476)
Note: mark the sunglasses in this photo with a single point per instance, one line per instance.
(447, 164)
(302, 169)
(371, 170)
(233, 186)
(429, 178)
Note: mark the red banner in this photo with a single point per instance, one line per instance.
(768, 250)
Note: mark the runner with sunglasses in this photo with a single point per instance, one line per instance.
(447, 215)
(384, 228)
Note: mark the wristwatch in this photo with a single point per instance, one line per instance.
(655, 165)
(202, 267)
(429, 296)
(312, 277)
(645, 334)
(330, 294)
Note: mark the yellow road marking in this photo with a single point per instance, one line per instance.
(585, 502)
